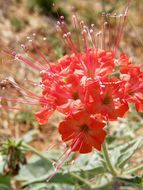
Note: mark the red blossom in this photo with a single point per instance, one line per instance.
(90, 86)
(133, 77)
(83, 131)
(43, 115)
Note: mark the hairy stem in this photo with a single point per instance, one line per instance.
(107, 159)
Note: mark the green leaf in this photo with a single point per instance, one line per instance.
(103, 182)
(136, 181)
(39, 169)
(36, 170)
(122, 153)
(4, 182)
(92, 162)
(51, 186)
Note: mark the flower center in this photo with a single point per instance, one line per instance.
(75, 96)
(84, 128)
(107, 99)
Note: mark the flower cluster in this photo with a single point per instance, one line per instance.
(90, 87)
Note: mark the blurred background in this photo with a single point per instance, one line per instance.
(20, 19)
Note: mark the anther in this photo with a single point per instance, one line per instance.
(91, 31)
(64, 35)
(44, 39)
(54, 164)
(69, 34)
(30, 40)
(82, 23)
(58, 23)
(62, 17)
(92, 25)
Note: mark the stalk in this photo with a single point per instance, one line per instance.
(107, 159)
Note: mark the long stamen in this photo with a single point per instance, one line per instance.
(23, 59)
(92, 33)
(103, 31)
(20, 89)
(14, 108)
(75, 21)
(24, 91)
(60, 164)
(23, 102)
(34, 58)
(123, 25)
(109, 31)
(41, 55)
(84, 34)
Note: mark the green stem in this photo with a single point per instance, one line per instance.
(109, 164)
(103, 6)
(134, 170)
(35, 151)
(87, 184)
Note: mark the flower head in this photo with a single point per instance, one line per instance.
(90, 86)
(83, 131)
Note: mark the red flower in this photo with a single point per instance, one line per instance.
(84, 131)
(43, 115)
(62, 91)
(86, 85)
(133, 77)
(105, 98)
